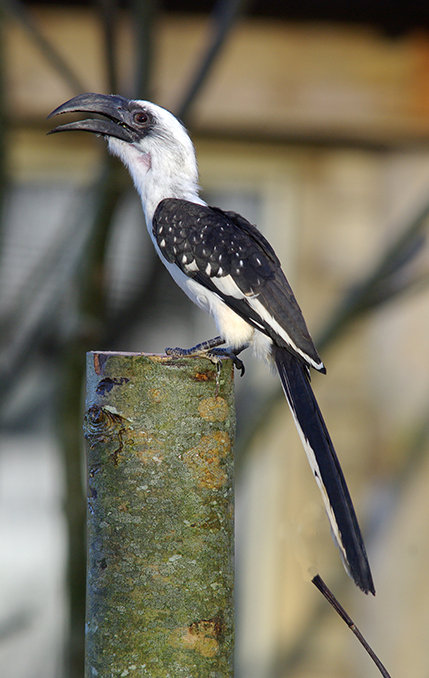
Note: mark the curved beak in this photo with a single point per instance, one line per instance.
(113, 108)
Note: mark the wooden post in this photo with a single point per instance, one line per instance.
(160, 573)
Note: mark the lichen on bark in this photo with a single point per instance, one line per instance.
(159, 433)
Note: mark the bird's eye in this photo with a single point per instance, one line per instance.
(140, 117)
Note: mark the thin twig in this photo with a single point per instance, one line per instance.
(327, 593)
(415, 452)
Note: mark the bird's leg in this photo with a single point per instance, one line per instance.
(209, 349)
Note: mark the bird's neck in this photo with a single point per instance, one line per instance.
(160, 174)
(167, 183)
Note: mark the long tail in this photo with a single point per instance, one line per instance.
(325, 465)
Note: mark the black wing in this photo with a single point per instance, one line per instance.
(209, 245)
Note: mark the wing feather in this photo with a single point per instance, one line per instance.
(229, 256)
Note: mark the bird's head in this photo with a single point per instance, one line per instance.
(150, 141)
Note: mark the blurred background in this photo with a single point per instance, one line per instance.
(311, 119)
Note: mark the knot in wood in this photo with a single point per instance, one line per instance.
(100, 424)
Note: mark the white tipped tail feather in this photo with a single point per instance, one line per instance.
(323, 460)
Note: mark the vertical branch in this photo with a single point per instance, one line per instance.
(91, 310)
(143, 16)
(225, 15)
(109, 17)
(159, 437)
(3, 131)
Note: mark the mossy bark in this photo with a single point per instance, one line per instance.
(159, 434)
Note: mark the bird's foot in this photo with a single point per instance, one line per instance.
(198, 349)
(215, 355)
(210, 349)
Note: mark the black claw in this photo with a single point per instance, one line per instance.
(229, 353)
(239, 365)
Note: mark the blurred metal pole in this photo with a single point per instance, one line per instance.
(160, 576)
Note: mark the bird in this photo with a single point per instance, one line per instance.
(228, 268)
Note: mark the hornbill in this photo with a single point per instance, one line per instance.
(227, 267)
